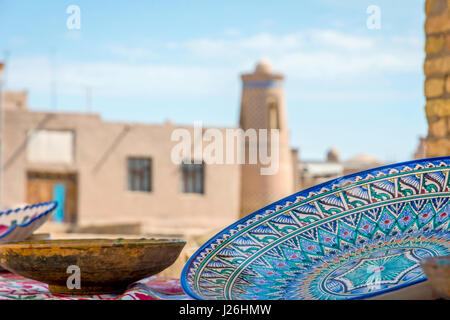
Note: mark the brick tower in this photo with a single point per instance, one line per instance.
(437, 72)
(263, 107)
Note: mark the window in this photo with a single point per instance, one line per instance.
(139, 174)
(273, 115)
(193, 176)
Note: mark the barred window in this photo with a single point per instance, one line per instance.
(140, 174)
(193, 178)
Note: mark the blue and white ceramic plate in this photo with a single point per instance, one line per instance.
(350, 238)
(19, 223)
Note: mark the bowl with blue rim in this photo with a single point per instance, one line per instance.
(19, 223)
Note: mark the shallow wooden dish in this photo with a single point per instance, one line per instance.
(106, 265)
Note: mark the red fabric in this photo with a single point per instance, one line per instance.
(15, 287)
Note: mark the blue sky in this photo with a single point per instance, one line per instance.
(348, 87)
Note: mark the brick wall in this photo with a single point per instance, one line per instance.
(437, 73)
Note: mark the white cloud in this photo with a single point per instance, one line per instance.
(316, 55)
(335, 39)
(131, 54)
(233, 49)
(232, 32)
(117, 79)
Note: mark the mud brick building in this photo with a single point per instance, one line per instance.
(115, 172)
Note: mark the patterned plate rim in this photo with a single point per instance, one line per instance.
(53, 205)
(291, 199)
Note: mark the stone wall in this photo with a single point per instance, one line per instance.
(437, 73)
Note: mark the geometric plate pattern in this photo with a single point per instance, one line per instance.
(373, 268)
(349, 238)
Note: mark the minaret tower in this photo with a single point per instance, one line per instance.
(263, 107)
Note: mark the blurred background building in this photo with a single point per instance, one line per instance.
(316, 171)
(119, 176)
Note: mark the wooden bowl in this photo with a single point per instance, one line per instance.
(34, 236)
(437, 270)
(105, 265)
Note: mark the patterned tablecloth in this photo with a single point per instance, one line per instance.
(15, 287)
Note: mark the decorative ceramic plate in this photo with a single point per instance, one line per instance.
(18, 224)
(349, 238)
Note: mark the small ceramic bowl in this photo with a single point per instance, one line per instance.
(19, 223)
(437, 270)
(104, 265)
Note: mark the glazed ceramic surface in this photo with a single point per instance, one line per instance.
(105, 265)
(350, 238)
(18, 224)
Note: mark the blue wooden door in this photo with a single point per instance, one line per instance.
(59, 195)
